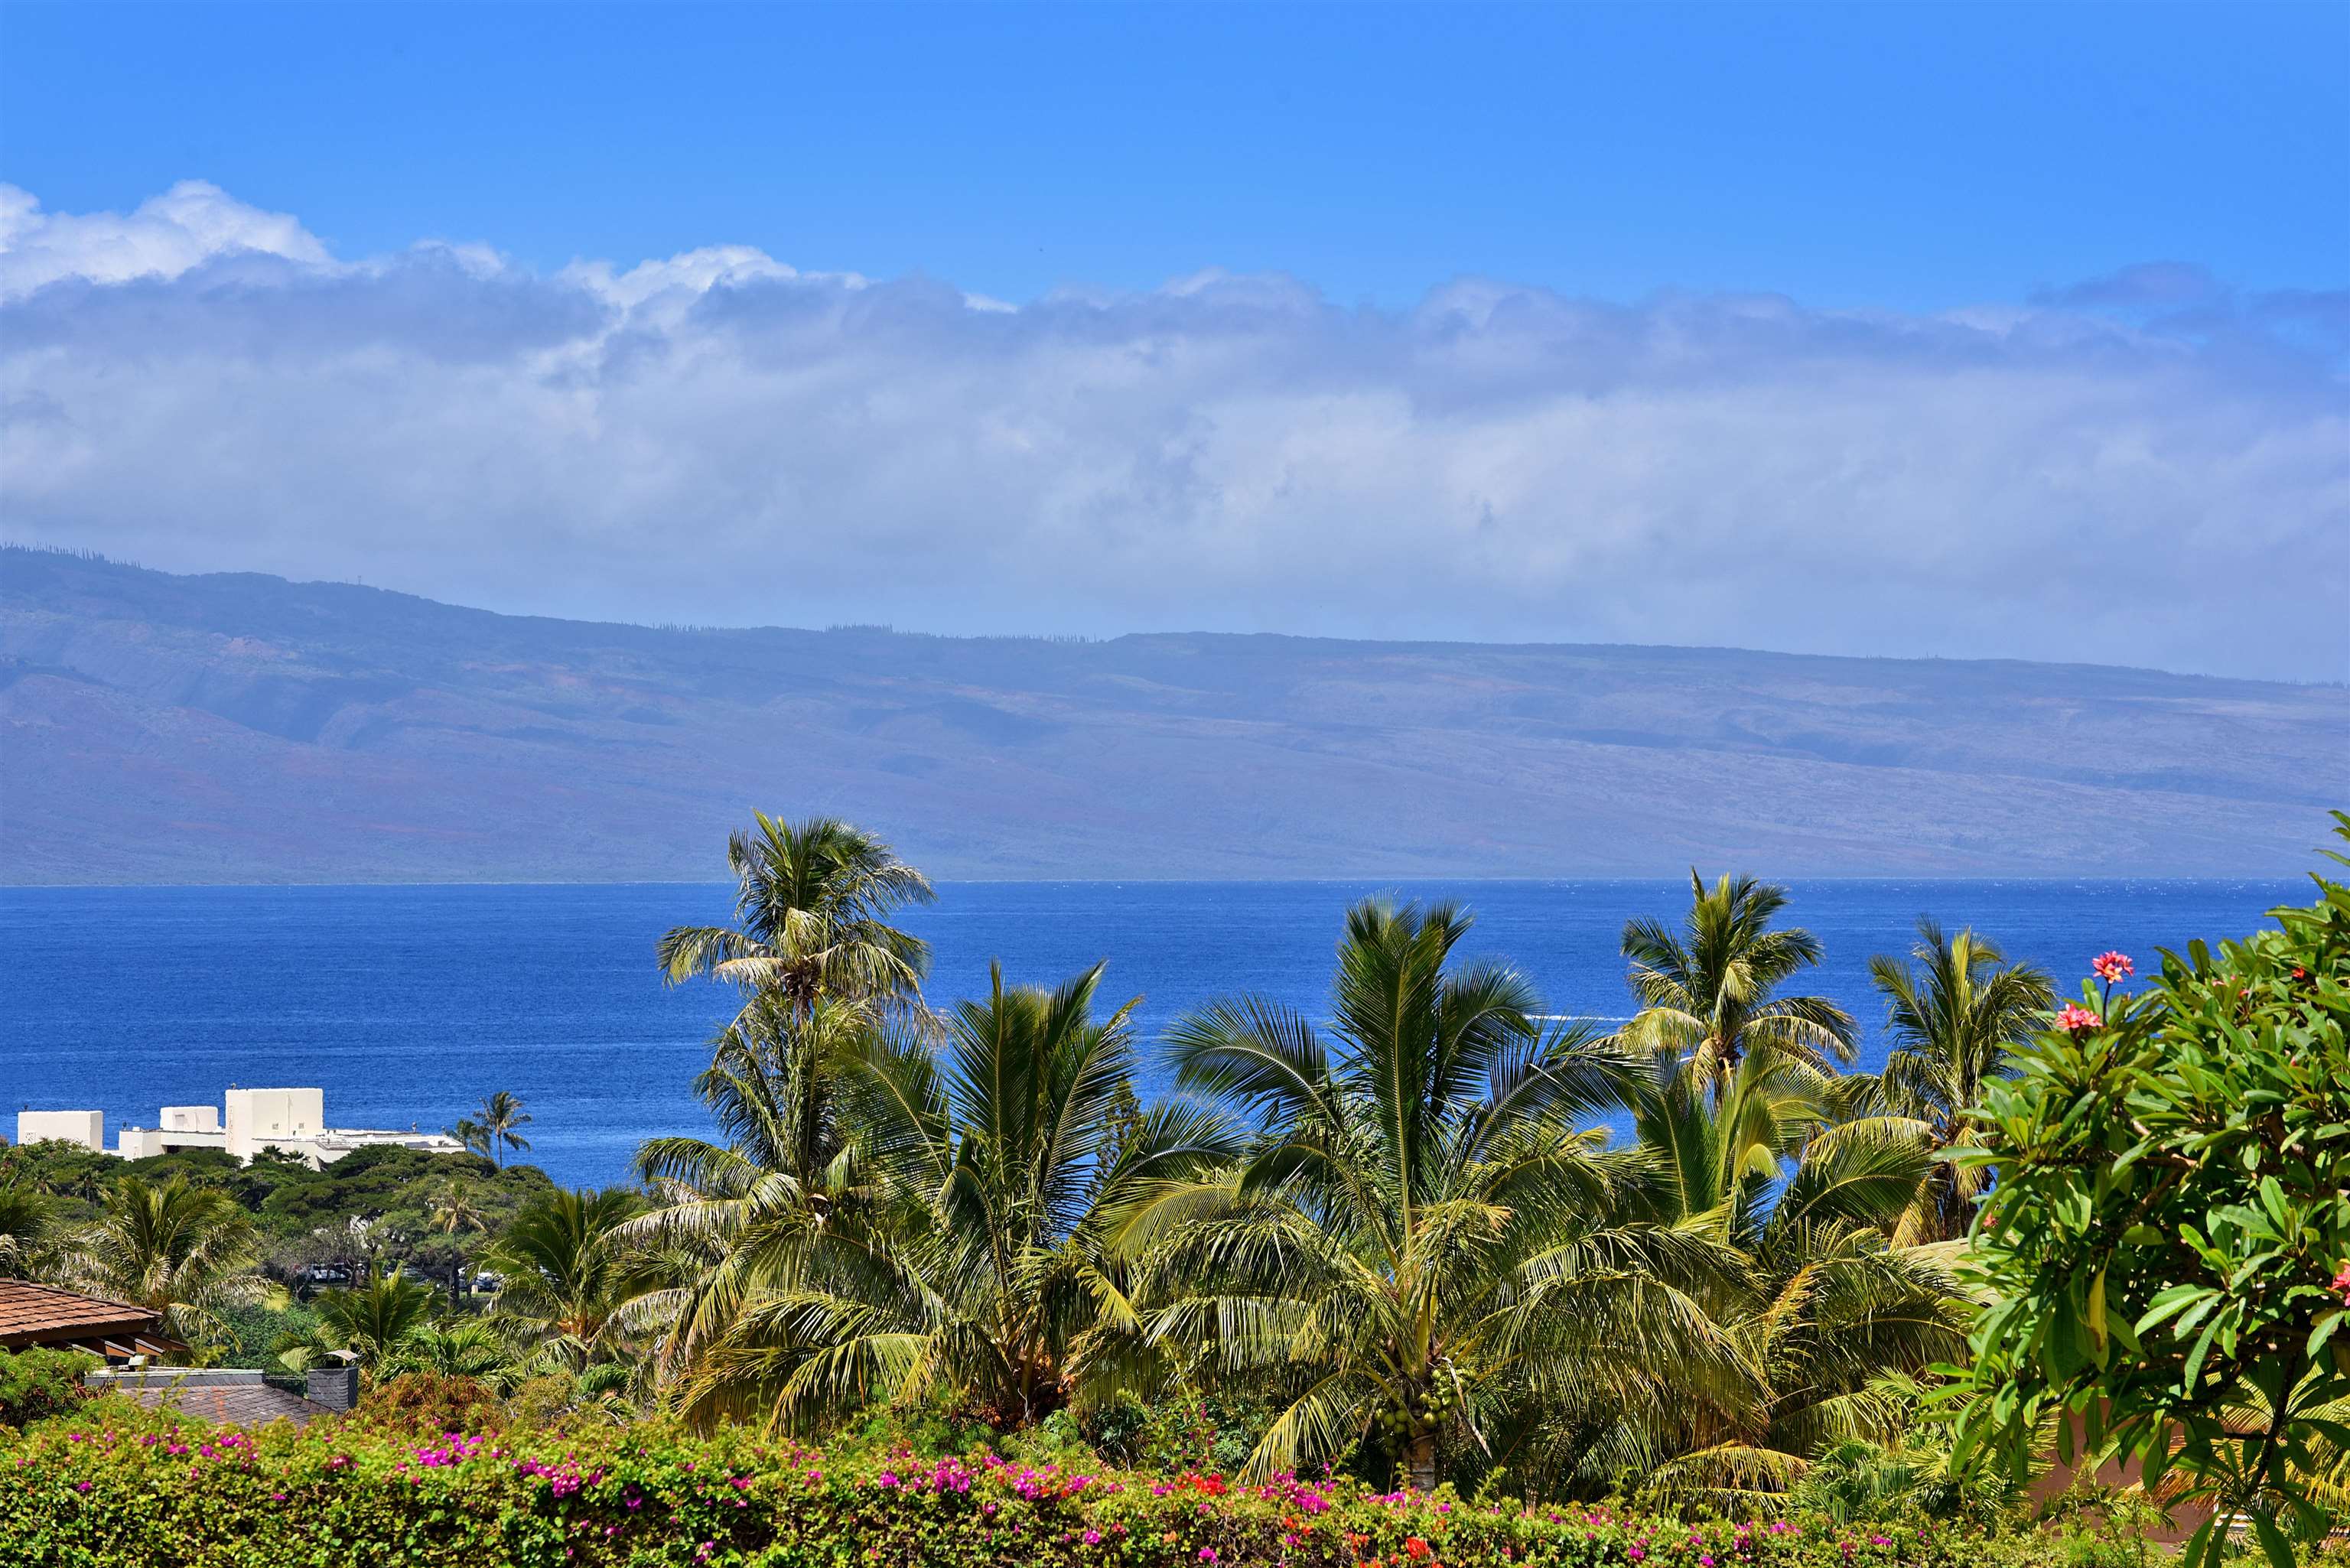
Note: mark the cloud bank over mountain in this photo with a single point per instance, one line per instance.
(2145, 469)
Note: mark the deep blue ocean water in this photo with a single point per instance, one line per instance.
(408, 1004)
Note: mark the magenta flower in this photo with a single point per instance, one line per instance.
(2341, 1283)
(2113, 968)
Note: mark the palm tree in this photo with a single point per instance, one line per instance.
(374, 1317)
(455, 1211)
(1956, 1016)
(819, 968)
(811, 908)
(747, 1211)
(180, 1250)
(1706, 990)
(468, 1132)
(774, 1089)
(452, 1349)
(971, 1266)
(24, 1220)
(499, 1121)
(1823, 1313)
(1957, 1010)
(1421, 1240)
(565, 1271)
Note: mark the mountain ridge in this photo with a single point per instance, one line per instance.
(240, 727)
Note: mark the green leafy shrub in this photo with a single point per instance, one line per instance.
(1213, 1431)
(2170, 1237)
(37, 1382)
(255, 1330)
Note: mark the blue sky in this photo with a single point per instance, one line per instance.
(1874, 329)
(1908, 156)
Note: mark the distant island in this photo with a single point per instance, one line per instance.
(241, 728)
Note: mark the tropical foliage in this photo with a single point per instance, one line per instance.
(565, 1273)
(1432, 1236)
(374, 1208)
(1419, 1249)
(2169, 1234)
(25, 1224)
(374, 1318)
(37, 1382)
(1828, 1313)
(1957, 1012)
(960, 1252)
(183, 1251)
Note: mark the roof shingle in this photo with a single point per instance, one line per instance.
(237, 1396)
(43, 1314)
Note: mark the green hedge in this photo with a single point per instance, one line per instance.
(115, 1485)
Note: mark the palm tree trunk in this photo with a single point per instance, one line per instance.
(1419, 1461)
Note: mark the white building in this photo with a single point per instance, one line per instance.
(181, 1128)
(86, 1129)
(291, 1120)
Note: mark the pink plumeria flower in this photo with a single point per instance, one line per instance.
(2113, 968)
(2077, 1020)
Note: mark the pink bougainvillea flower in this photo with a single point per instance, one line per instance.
(2113, 968)
(2341, 1283)
(2076, 1020)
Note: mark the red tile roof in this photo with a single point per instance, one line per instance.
(43, 1314)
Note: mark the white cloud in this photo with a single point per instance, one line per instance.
(721, 437)
(192, 222)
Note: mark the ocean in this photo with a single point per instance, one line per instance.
(408, 1004)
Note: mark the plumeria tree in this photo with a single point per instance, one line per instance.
(2170, 1230)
